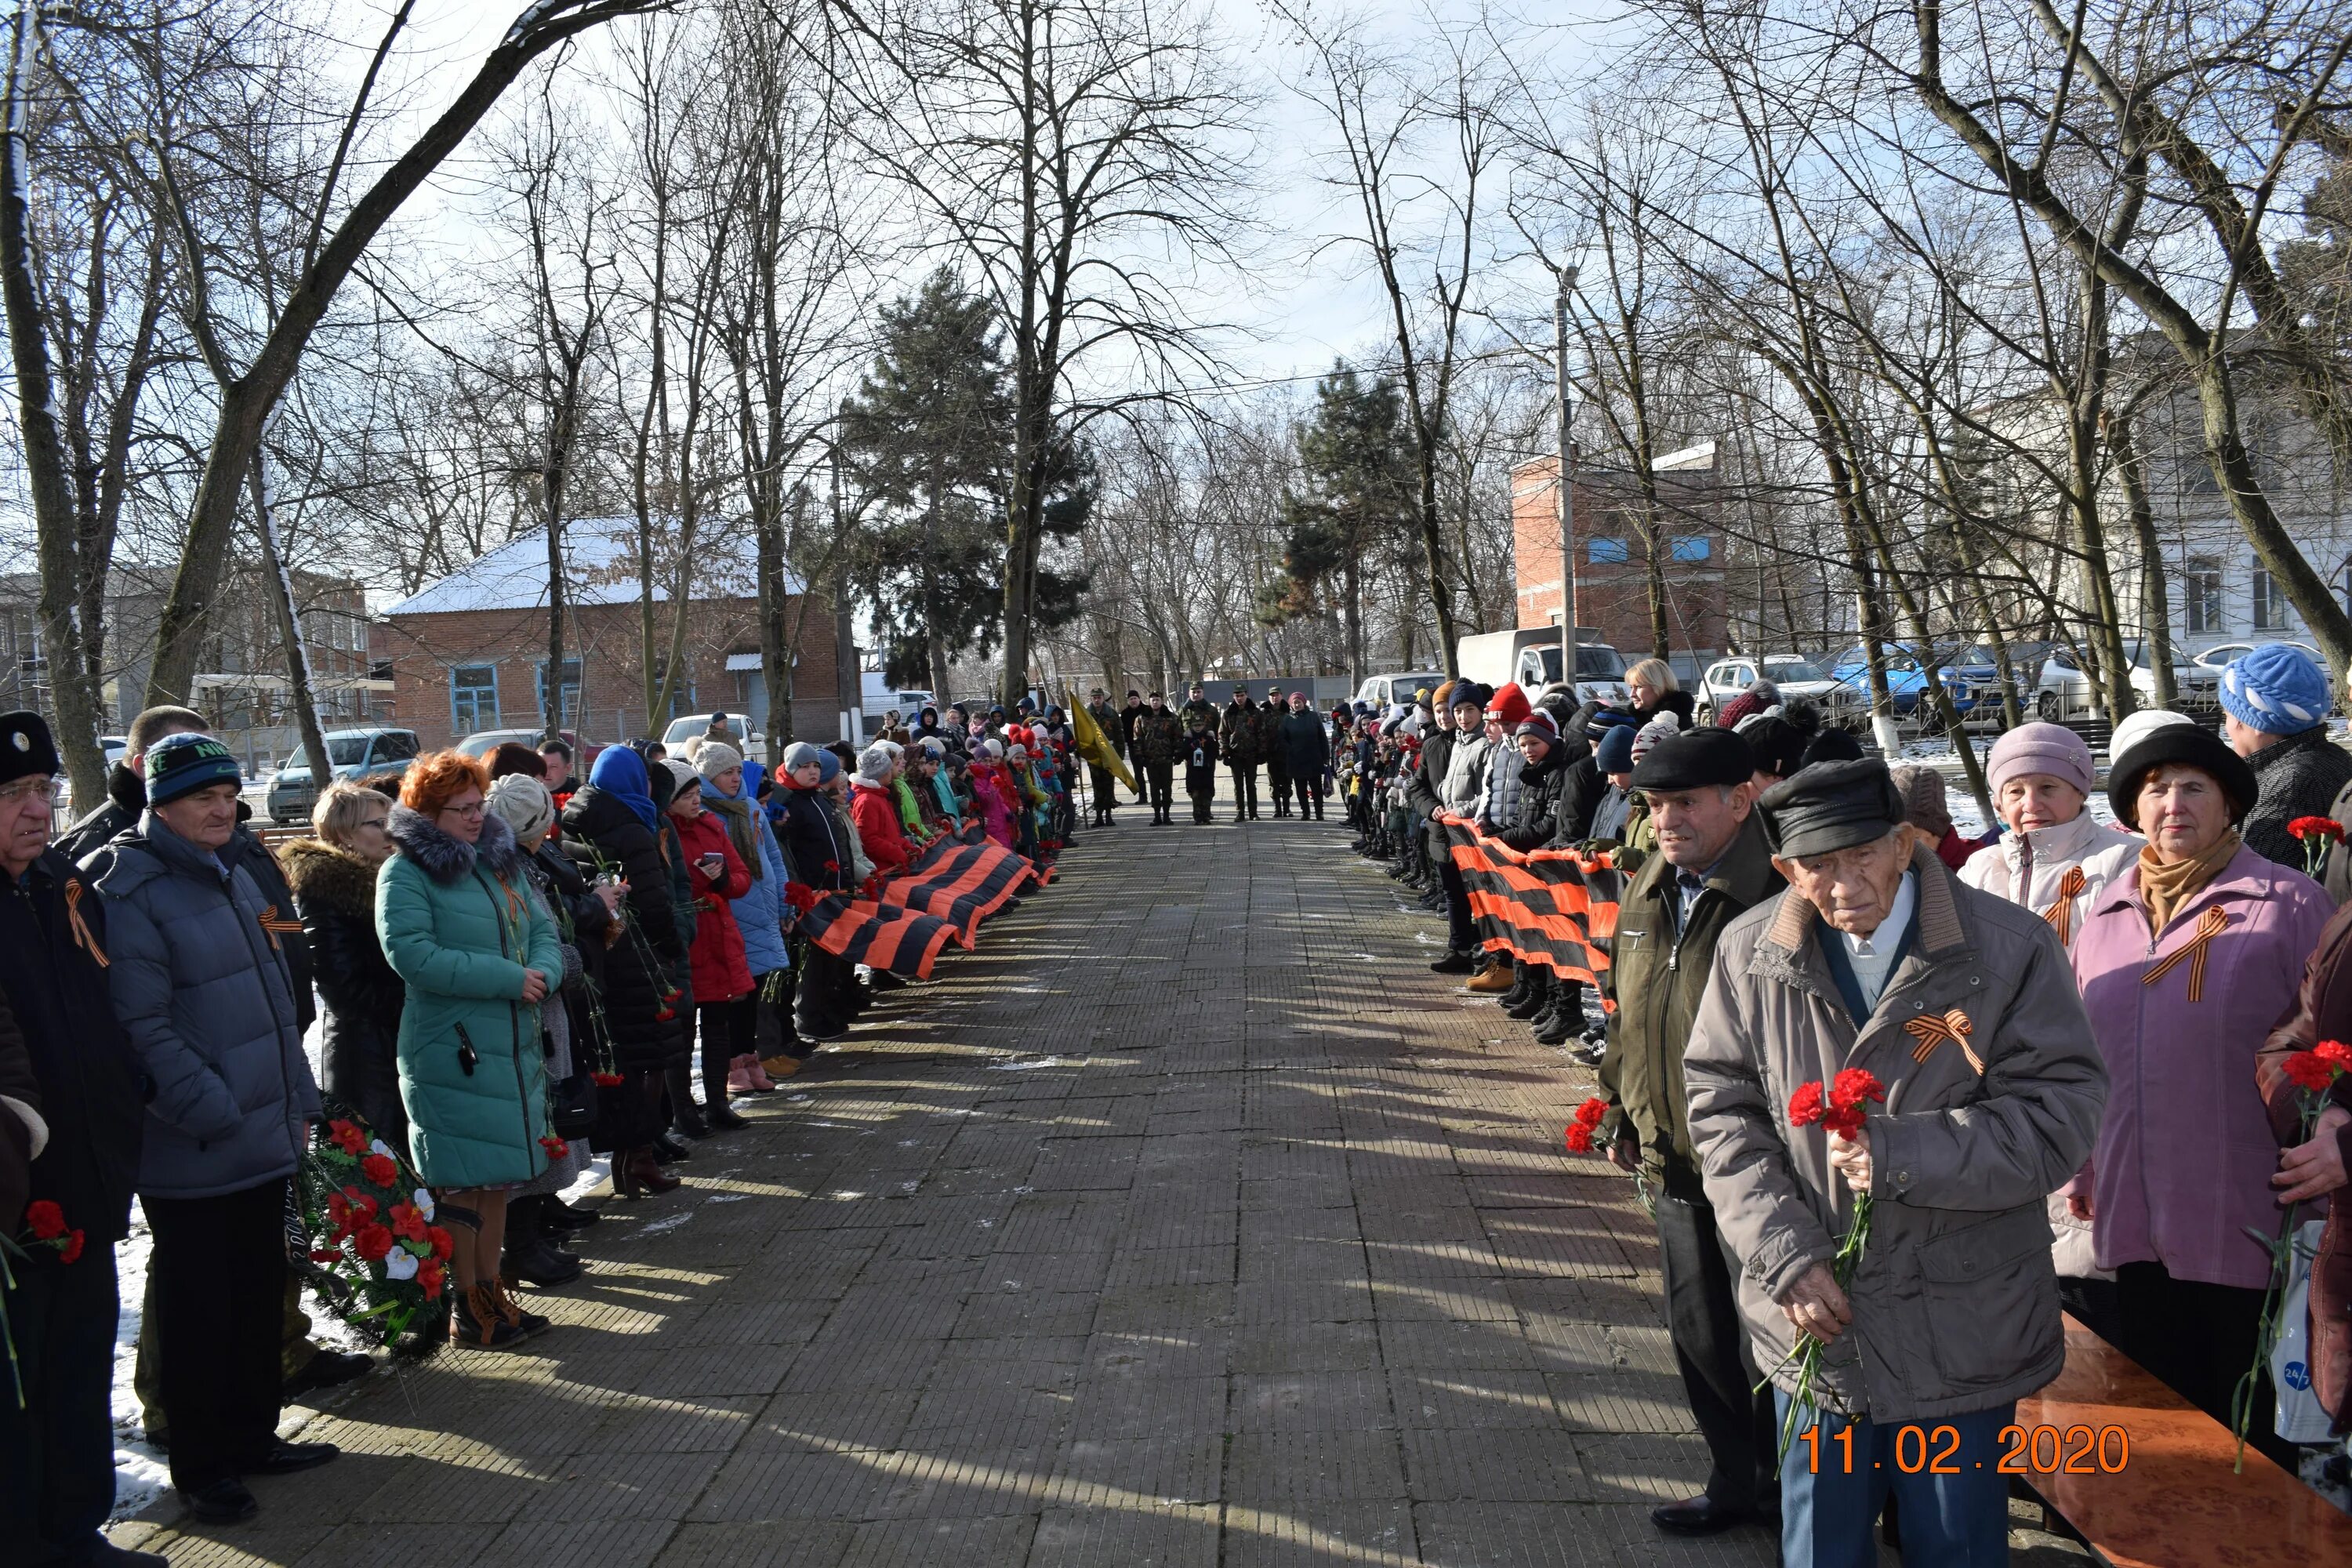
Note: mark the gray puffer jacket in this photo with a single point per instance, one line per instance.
(1994, 1103)
(200, 983)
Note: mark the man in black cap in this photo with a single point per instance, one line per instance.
(1712, 866)
(57, 1454)
(1270, 747)
(1984, 1095)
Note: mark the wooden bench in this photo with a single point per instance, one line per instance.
(2174, 1500)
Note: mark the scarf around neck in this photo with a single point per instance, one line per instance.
(2167, 885)
(735, 811)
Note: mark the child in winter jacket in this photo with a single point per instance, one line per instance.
(1200, 767)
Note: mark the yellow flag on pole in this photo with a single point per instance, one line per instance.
(1095, 746)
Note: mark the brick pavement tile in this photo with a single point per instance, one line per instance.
(1278, 1470)
(1042, 1312)
(1315, 1402)
(239, 1546)
(1551, 1243)
(1115, 1473)
(800, 1543)
(928, 1544)
(420, 1488)
(1543, 1535)
(1625, 1298)
(851, 1360)
(1621, 1401)
(1427, 1398)
(1164, 1307)
(1289, 1299)
(767, 1324)
(1285, 1193)
(676, 1426)
(1127, 1536)
(1204, 1350)
(977, 1401)
(1649, 1468)
(1272, 1226)
(1447, 1346)
(1456, 1301)
(1270, 1349)
(566, 1543)
(1172, 1407)
(787, 1484)
(1147, 1267)
(1494, 1464)
(1082, 1165)
(1320, 1532)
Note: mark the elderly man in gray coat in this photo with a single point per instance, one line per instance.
(1963, 1008)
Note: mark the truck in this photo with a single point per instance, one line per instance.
(1531, 657)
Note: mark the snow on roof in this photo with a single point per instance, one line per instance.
(600, 559)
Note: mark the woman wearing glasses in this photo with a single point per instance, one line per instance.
(479, 953)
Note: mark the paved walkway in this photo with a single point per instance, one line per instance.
(1190, 1222)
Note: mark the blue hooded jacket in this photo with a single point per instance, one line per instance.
(760, 911)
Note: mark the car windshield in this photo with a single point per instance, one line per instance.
(1792, 669)
(349, 751)
(1856, 658)
(681, 731)
(1592, 663)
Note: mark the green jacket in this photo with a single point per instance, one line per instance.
(1159, 738)
(1656, 982)
(1237, 735)
(1204, 710)
(1269, 736)
(460, 922)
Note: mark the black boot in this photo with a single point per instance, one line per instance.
(1537, 997)
(527, 1253)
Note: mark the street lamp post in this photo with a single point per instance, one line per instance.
(1567, 607)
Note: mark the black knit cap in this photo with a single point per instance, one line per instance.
(2192, 744)
(26, 748)
(1695, 760)
(1830, 807)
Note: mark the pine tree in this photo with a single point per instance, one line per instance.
(1358, 458)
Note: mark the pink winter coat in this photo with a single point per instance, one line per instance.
(995, 795)
(2186, 1151)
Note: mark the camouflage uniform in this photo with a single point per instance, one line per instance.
(1269, 747)
(1203, 710)
(1158, 739)
(1237, 738)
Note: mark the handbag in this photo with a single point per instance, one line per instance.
(571, 1106)
(2301, 1417)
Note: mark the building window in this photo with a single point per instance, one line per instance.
(2202, 587)
(473, 697)
(571, 698)
(2270, 604)
(1605, 552)
(1689, 547)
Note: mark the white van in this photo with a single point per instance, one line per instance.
(1531, 657)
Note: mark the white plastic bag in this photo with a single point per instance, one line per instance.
(2301, 1417)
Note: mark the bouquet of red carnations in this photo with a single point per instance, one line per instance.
(2315, 832)
(378, 1259)
(1842, 1109)
(2313, 1074)
(45, 1229)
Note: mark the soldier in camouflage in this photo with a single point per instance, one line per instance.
(1158, 739)
(1237, 737)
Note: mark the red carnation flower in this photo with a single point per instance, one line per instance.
(375, 1243)
(72, 1249)
(354, 1141)
(1853, 1086)
(381, 1169)
(1592, 1113)
(606, 1079)
(45, 1219)
(429, 1280)
(2335, 1051)
(408, 1220)
(1805, 1105)
(2309, 1070)
(2308, 827)
(556, 1147)
(664, 1014)
(1579, 1138)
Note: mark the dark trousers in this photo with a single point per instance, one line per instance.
(1955, 1518)
(57, 1455)
(727, 1030)
(1159, 783)
(1461, 936)
(2199, 1340)
(1200, 786)
(1102, 788)
(826, 983)
(1711, 1348)
(1244, 789)
(1277, 783)
(1310, 789)
(219, 1267)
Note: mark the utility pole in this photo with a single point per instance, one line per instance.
(1568, 647)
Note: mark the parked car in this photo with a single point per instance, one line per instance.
(2065, 693)
(350, 754)
(685, 729)
(2222, 654)
(1799, 679)
(1380, 690)
(482, 742)
(1972, 680)
(1906, 675)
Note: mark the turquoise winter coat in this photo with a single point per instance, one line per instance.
(460, 923)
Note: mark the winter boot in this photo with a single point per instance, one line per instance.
(1522, 980)
(528, 1256)
(1556, 1027)
(1493, 980)
(476, 1322)
(1537, 997)
(1454, 963)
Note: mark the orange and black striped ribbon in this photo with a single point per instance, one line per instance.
(1931, 1031)
(2194, 951)
(2061, 915)
(82, 936)
(274, 923)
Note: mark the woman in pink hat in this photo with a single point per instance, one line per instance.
(2055, 857)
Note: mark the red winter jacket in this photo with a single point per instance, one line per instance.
(720, 971)
(876, 812)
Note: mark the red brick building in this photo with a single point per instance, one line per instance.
(469, 652)
(1613, 555)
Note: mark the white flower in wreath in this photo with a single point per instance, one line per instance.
(400, 1264)
(423, 1202)
(382, 1148)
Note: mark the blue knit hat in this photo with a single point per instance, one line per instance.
(2276, 689)
(1614, 754)
(184, 763)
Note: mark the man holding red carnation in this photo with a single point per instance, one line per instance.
(1962, 1009)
